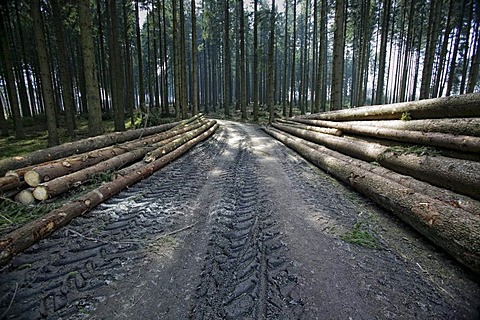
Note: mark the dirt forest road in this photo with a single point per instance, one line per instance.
(241, 227)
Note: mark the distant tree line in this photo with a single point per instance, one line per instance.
(95, 58)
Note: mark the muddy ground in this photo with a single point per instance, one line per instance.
(241, 227)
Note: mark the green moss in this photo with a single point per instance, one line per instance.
(361, 236)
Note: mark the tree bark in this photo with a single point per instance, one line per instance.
(435, 139)
(79, 146)
(320, 129)
(453, 229)
(461, 106)
(22, 238)
(8, 183)
(461, 176)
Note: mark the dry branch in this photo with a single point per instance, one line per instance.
(434, 139)
(453, 229)
(461, 176)
(461, 106)
(25, 236)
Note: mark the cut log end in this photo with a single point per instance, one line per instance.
(32, 178)
(25, 197)
(40, 193)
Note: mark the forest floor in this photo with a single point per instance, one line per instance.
(241, 227)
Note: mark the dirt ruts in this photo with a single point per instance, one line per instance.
(239, 228)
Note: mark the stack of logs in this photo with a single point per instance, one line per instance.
(424, 168)
(128, 156)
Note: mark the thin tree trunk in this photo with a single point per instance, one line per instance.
(270, 79)
(379, 97)
(64, 72)
(141, 86)
(95, 126)
(338, 57)
(194, 60)
(10, 80)
(47, 86)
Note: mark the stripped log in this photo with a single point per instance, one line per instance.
(434, 139)
(460, 106)
(63, 183)
(54, 169)
(23, 237)
(461, 176)
(458, 126)
(453, 229)
(80, 146)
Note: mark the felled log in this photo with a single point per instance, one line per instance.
(332, 131)
(54, 169)
(80, 146)
(459, 175)
(63, 183)
(457, 126)
(434, 139)
(162, 150)
(448, 197)
(8, 183)
(453, 229)
(460, 106)
(25, 197)
(23, 237)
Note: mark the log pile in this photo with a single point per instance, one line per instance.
(425, 168)
(127, 163)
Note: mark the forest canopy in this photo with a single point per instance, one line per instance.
(121, 60)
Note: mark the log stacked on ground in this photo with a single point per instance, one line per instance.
(173, 144)
(404, 167)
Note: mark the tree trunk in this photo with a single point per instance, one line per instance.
(10, 81)
(141, 89)
(379, 98)
(8, 183)
(336, 99)
(332, 131)
(88, 52)
(65, 182)
(442, 140)
(194, 61)
(294, 51)
(67, 92)
(79, 146)
(461, 176)
(55, 169)
(242, 67)
(270, 78)
(45, 75)
(22, 238)
(456, 126)
(453, 229)
(187, 136)
(25, 197)
(461, 106)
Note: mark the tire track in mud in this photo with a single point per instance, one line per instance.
(245, 273)
(58, 277)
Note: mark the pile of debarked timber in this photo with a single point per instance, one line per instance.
(128, 156)
(424, 168)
